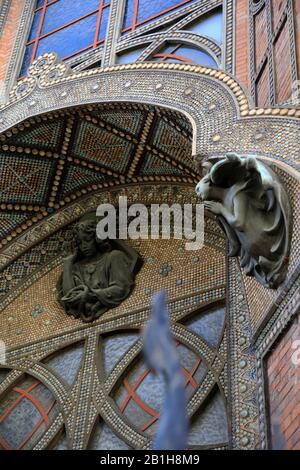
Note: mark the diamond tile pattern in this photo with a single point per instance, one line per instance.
(152, 165)
(128, 120)
(24, 180)
(46, 135)
(168, 140)
(101, 146)
(77, 177)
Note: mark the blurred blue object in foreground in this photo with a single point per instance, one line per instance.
(162, 357)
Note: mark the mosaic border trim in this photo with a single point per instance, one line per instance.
(3, 14)
(242, 367)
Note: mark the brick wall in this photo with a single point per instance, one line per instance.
(281, 50)
(283, 373)
(263, 88)
(297, 32)
(9, 34)
(283, 68)
(242, 42)
(261, 36)
(278, 8)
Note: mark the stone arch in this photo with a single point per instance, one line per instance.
(214, 102)
(202, 42)
(220, 112)
(196, 91)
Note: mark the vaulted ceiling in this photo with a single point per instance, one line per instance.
(51, 160)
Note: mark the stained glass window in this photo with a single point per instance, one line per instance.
(141, 12)
(141, 394)
(67, 27)
(66, 363)
(130, 56)
(210, 25)
(184, 54)
(26, 412)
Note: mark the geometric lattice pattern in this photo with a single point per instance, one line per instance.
(24, 180)
(140, 396)
(8, 221)
(34, 259)
(76, 177)
(167, 139)
(101, 146)
(45, 136)
(119, 396)
(152, 165)
(125, 120)
(48, 161)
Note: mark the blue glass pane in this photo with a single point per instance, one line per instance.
(148, 9)
(209, 426)
(208, 325)
(168, 49)
(66, 363)
(27, 59)
(131, 56)
(211, 26)
(21, 426)
(185, 54)
(65, 11)
(71, 39)
(115, 347)
(128, 18)
(196, 56)
(35, 25)
(104, 23)
(39, 3)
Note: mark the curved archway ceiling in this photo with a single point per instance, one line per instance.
(49, 161)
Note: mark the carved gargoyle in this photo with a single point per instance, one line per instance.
(254, 212)
(97, 275)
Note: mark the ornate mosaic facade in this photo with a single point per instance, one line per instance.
(133, 112)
